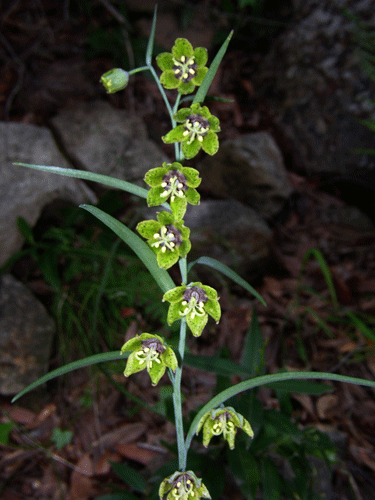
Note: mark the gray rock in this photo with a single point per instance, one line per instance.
(99, 138)
(24, 192)
(230, 232)
(250, 169)
(313, 84)
(26, 333)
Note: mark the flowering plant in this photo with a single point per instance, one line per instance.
(167, 243)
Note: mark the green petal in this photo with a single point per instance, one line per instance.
(168, 80)
(199, 76)
(231, 437)
(165, 218)
(131, 345)
(167, 259)
(174, 295)
(156, 371)
(185, 248)
(200, 56)
(192, 176)
(210, 292)
(203, 111)
(207, 432)
(182, 47)
(154, 198)
(203, 492)
(174, 312)
(196, 324)
(247, 428)
(169, 359)
(174, 166)
(212, 307)
(154, 177)
(178, 207)
(195, 108)
(214, 123)
(192, 149)
(186, 87)
(182, 114)
(192, 196)
(202, 422)
(185, 231)
(210, 144)
(165, 61)
(148, 228)
(175, 135)
(133, 365)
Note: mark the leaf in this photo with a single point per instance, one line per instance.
(150, 44)
(130, 476)
(314, 252)
(301, 386)
(220, 366)
(142, 250)
(252, 355)
(203, 89)
(75, 365)
(227, 271)
(361, 326)
(91, 176)
(26, 231)
(265, 380)
(61, 438)
(5, 428)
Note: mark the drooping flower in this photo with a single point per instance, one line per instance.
(183, 486)
(114, 80)
(194, 302)
(174, 182)
(197, 130)
(150, 353)
(167, 237)
(225, 421)
(184, 68)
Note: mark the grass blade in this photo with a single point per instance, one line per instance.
(314, 252)
(246, 385)
(227, 271)
(75, 365)
(203, 89)
(142, 250)
(150, 44)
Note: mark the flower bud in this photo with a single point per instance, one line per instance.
(114, 80)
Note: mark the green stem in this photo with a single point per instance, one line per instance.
(177, 400)
(138, 70)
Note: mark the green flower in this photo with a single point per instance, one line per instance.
(197, 130)
(194, 302)
(184, 68)
(223, 421)
(150, 352)
(168, 238)
(175, 182)
(114, 80)
(183, 486)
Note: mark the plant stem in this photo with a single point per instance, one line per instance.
(137, 70)
(177, 400)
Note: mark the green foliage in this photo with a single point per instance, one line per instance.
(5, 428)
(61, 438)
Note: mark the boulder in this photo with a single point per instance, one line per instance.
(249, 168)
(26, 333)
(99, 138)
(25, 192)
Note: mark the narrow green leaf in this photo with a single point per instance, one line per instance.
(5, 428)
(302, 387)
(362, 327)
(203, 89)
(26, 230)
(130, 476)
(265, 380)
(91, 176)
(314, 252)
(252, 354)
(271, 481)
(150, 44)
(142, 250)
(227, 271)
(75, 365)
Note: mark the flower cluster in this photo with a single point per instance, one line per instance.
(225, 421)
(149, 352)
(183, 486)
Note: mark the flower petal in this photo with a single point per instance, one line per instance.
(169, 81)
(192, 196)
(196, 324)
(212, 307)
(192, 149)
(210, 143)
(169, 358)
(154, 177)
(154, 197)
(167, 259)
(200, 56)
(175, 135)
(185, 87)
(182, 47)
(148, 228)
(165, 61)
(156, 371)
(178, 207)
(192, 176)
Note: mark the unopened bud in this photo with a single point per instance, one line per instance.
(114, 80)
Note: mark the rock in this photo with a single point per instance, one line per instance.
(230, 232)
(99, 138)
(26, 333)
(24, 192)
(314, 86)
(250, 169)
